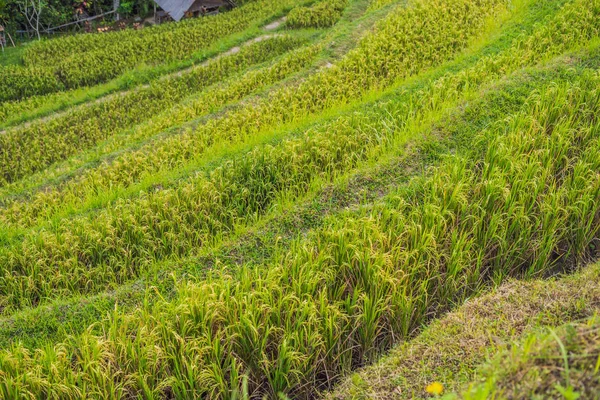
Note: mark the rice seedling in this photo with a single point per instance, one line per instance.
(86, 60)
(321, 15)
(25, 150)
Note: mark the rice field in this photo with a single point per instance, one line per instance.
(210, 209)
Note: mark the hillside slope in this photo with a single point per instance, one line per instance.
(262, 215)
(509, 343)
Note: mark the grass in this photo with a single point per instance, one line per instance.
(556, 363)
(493, 342)
(12, 56)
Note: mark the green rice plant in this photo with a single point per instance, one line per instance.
(434, 96)
(371, 275)
(18, 82)
(378, 4)
(27, 109)
(213, 229)
(447, 87)
(25, 150)
(252, 197)
(10, 109)
(321, 15)
(329, 87)
(510, 203)
(108, 178)
(205, 208)
(87, 60)
(52, 52)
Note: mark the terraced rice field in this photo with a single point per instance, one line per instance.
(228, 208)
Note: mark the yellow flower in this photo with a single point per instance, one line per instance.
(435, 388)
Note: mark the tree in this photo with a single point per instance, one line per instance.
(3, 12)
(32, 11)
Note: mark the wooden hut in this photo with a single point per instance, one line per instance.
(177, 9)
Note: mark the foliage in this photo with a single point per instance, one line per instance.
(175, 150)
(3, 10)
(510, 314)
(85, 60)
(318, 311)
(33, 147)
(505, 170)
(18, 82)
(377, 4)
(320, 91)
(56, 12)
(187, 36)
(332, 86)
(321, 15)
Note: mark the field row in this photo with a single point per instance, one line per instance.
(28, 149)
(87, 60)
(128, 139)
(321, 15)
(72, 248)
(13, 113)
(114, 174)
(86, 251)
(486, 133)
(287, 105)
(369, 276)
(433, 96)
(123, 172)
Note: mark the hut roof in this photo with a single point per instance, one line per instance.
(177, 8)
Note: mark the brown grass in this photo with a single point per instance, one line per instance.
(451, 348)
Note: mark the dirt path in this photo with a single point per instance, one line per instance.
(275, 24)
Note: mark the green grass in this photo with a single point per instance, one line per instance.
(12, 55)
(558, 362)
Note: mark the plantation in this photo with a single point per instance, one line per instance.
(233, 209)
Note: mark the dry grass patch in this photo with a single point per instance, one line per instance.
(451, 348)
